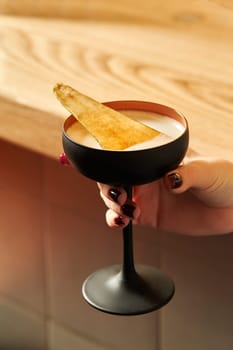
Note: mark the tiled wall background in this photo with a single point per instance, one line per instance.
(53, 234)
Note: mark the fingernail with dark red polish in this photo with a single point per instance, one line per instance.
(119, 221)
(175, 180)
(114, 194)
(128, 210)
(63, 159)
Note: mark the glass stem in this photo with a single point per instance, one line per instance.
(128, 268)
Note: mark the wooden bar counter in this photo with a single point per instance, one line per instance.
(174, 54)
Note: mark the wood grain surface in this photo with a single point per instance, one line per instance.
(183, 57)
(121, 9)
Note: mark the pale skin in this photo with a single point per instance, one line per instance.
(201, 204)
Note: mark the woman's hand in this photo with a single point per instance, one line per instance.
(194, 199)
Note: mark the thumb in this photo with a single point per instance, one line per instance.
(209, 180)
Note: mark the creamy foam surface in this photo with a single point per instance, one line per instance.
(169, 128)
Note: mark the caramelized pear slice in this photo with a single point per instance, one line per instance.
(113, 130)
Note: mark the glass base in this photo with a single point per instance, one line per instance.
(148, 290)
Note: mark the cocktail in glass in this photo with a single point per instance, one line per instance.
(129, 289)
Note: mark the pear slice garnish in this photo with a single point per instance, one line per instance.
(112, 129)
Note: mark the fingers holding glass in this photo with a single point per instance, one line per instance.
(120, 209)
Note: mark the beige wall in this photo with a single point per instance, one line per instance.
(53, 235)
